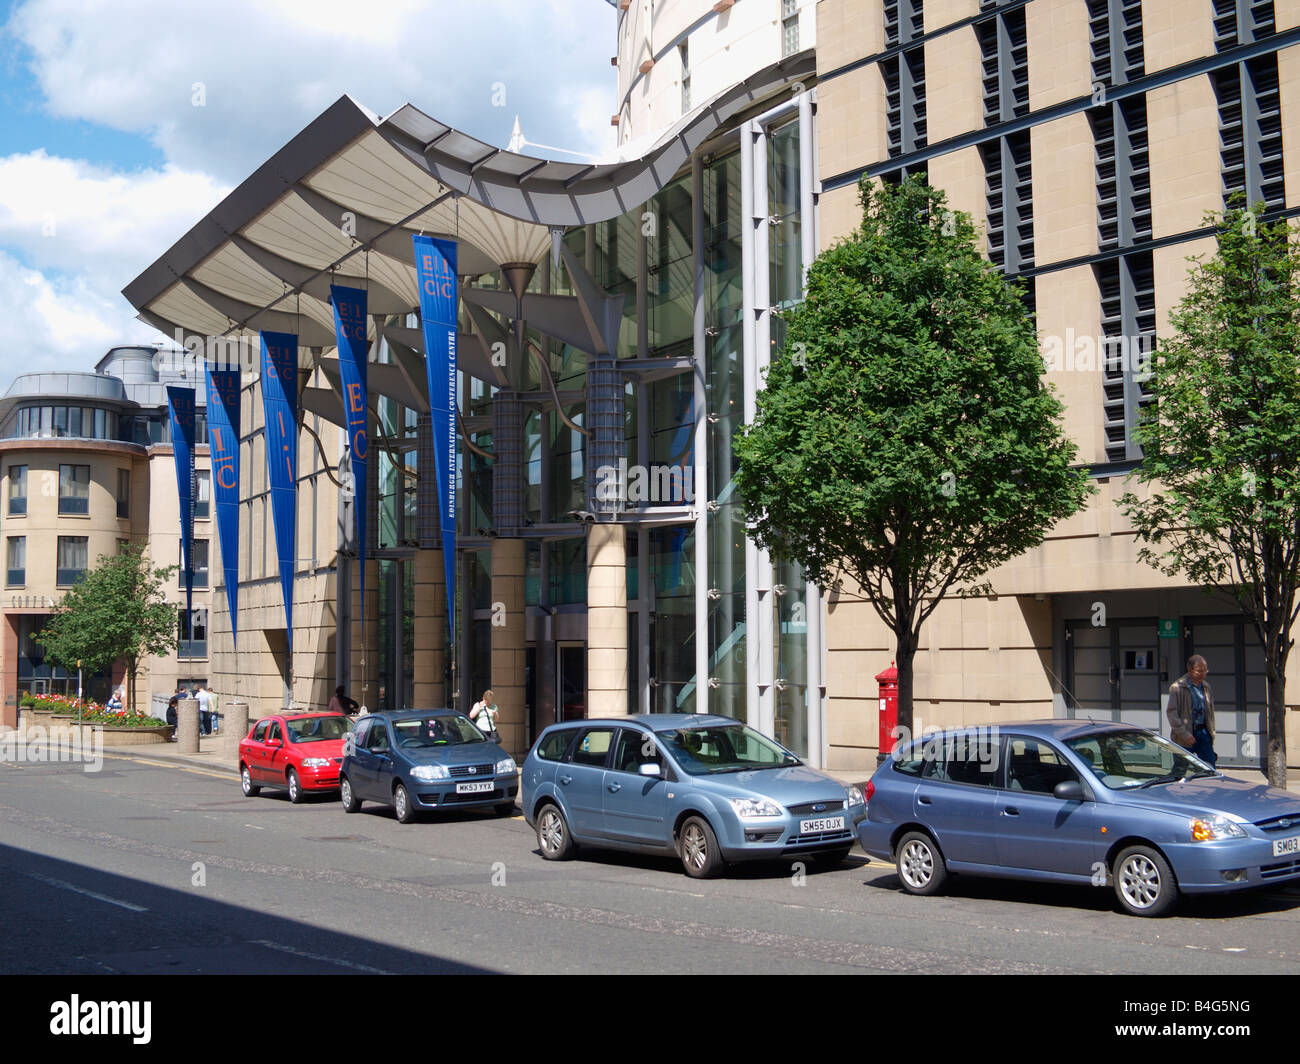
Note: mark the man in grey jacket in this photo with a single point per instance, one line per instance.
(1191, 711)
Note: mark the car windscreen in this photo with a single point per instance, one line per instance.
(417, 732)
(724, 748)
(1137, 758)
(318, 729)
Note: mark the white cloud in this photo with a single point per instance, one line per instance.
(58, 323)
(266, 69)
(70, 216)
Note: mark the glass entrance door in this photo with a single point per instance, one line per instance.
(1237, 680)
(571, 680)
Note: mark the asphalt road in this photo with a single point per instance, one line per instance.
(150, 867)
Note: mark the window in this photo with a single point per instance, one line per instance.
(593, 747)
(1035, 767)
(259, 733)
(17, 561)
(636, 748)
(202, 494)
(554, 746)
(789, 27)
(124, 493)
(17, 490)
(71, 561)
(192, 634)
(74, 489)
(200, 560)
(968, 757)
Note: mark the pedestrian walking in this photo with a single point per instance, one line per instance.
(1191, 711)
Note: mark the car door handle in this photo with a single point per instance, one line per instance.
(1011, 810)
(615, 787)
(924, 801)
(566, 780)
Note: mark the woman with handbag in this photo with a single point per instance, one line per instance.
(484, 715)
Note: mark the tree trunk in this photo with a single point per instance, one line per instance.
(904, 655)
(1275, 725)
(130, 676)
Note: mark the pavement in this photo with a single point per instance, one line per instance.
(212, 755)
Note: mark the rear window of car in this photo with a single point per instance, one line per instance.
(552, 747)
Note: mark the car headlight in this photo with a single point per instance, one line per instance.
(430, 773)
(506, 767)
(750, 807)
(855, 797)
(315, 762)
(1218, 827)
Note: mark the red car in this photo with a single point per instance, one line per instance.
(300, 752)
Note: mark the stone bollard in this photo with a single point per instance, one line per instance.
(187, 726)
(234, 726)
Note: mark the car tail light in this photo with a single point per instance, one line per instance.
(870, 792)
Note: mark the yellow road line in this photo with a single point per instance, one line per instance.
(171, 764)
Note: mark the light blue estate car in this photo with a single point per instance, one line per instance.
(705, 788)
(1077, 802)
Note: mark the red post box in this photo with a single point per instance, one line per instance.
(888, 693)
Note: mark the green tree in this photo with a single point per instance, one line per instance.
(1221, 442)
(118, 612)
(905, 437)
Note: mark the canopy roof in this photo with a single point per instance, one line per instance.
(341, 200)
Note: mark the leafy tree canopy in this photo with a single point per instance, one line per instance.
(905, 435)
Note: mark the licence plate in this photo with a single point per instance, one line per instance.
(818, 827)
(474, 788)
(1281, 847)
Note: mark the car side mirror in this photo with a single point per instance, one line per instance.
(651, 768)
(1069, 791)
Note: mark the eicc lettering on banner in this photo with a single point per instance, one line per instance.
(223, 442)
(180, 402)
(280, 406)
(350, 332)
(435, 267)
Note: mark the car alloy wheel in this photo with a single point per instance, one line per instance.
(295, 787)
(920, 864)
(698, 848)
(251, 790)
(553, 837)
(1144, 882)
(350, 803)
(402, 804)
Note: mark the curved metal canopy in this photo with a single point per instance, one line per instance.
(340, 201)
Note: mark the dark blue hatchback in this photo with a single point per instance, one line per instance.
(427, 760)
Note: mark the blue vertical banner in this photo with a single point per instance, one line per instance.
(350, 333)
(435, 268)
(180, 404)
(280, 405)
(223, 445)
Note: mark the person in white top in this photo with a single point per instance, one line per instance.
(484, 714)
(205, 709)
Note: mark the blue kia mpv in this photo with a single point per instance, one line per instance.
(1077, 801)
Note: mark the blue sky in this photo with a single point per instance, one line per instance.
(105, 160)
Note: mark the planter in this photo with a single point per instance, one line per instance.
(114, 735)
